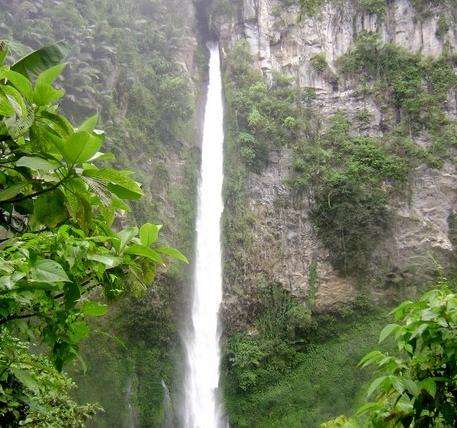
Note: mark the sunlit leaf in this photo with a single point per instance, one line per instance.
(141, 250)
(149, 233)
(173, 252)
(45, 270)
(387, 331)
(34, 162)
(42, 59)
(94, 309)
(89, 124)
(12, 191)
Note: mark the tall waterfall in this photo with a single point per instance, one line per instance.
(202, 409)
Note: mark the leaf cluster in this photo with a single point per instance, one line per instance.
(418, 386)
(34, 392)
(59, 200)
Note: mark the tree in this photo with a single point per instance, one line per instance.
(417, 387)
(61, 259)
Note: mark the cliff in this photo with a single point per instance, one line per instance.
(285, 246)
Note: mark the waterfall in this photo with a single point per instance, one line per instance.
(202, 409)
(167, 407)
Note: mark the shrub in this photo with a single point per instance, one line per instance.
(348, 178)
(266, 116)
(417, 386)
(319, 62)
(417, 87)
(377, 7)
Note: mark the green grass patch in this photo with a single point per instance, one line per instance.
(324, 383)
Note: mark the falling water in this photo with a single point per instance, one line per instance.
(167, 407)
(201, 404)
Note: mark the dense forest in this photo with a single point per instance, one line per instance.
(337, 247)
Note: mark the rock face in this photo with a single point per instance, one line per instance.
(284, 242)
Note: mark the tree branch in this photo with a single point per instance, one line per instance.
(33, 195)
(17, 317)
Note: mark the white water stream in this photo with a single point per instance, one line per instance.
(202, 409)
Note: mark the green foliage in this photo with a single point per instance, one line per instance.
(319, 62)
(127, 62)
(313, 282)
(56, 210)
(425, 7)
(129, 371)
(256, 359)
(416, 87)
(311, 7)
(34, 392)
(418, 386)
(442, 28)
(265, 116)
(348, 178)
(377, 7)
(320, 379)
(41, 60)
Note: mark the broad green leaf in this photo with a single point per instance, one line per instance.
(397, 384)
(42, 59)
(411, 386)
(21, 83)
(367, 408)
(149, 233)
(399, 312)
(126, 235)
(58, 123)
(141, 250)
(108, 260)
(429, 385)
(26, 379)
(19, 126)
(89, 124)
(123, 193)
(404, 404)
(119, 204)
(15, 99)
(387, 331)
(79, 147)
(44, 95)
(12, 191)
(375, 385)
(44, 92)
(371, 358)
(173, 252)
(34, 162)
(99, 156)
(117, 178)
(45, 270)
(6, 109)
(94, 309)
(49, 209)
(428, 314)
(419, 330)
(48, 76)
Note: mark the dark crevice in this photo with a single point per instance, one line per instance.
(203, 8)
